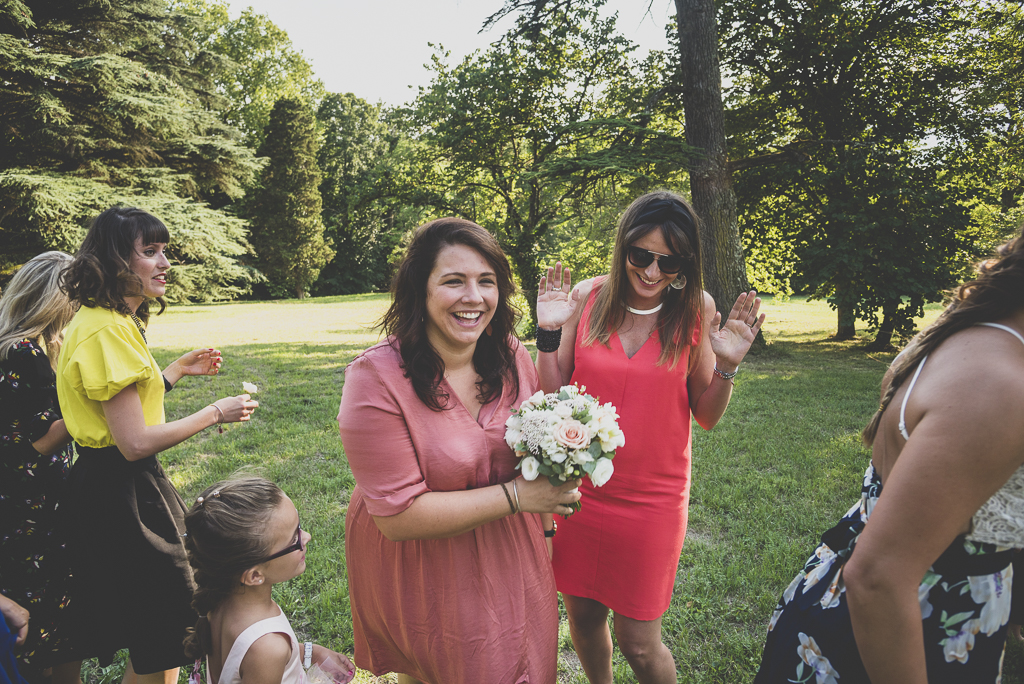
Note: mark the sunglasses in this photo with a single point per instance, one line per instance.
(667, 263)
(297, 546)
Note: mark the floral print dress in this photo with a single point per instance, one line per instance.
(965, 606)
(34, 570)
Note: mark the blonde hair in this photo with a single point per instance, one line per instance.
(35, 307)
(670, 214)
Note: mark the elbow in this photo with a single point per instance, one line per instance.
(132, 451)
(391, 530)
(705, 421)
(868, 582)
(705, 424)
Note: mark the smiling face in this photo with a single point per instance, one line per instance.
(151, 265)
(647, 284)
(462, 294)
(283, 529)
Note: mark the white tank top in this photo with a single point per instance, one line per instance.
(293, 673)
(1000, 520)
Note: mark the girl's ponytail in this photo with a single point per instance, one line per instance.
(225, 536)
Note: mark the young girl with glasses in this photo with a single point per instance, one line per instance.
(243, 537)
(647, 339)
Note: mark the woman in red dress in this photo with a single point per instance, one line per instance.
(647, 339)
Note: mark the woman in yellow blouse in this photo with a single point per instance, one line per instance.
(133, 586)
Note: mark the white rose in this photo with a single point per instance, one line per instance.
(513, 430)
(250, 388)
(611, 436)
(581, 456)
(533, 402)
(602, 472)
(531, 468)
(563, 409)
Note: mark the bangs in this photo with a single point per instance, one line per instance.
(676, 238)
(152, 230)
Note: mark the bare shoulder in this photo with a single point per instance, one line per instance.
(976, 374)
(584, 287)
(709, 306)
(266, 659)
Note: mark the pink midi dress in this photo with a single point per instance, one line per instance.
(478, 607)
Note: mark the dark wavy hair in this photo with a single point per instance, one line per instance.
(100, 275)
(405, 321)
(673, 216)
(225, 536)
(995, 293)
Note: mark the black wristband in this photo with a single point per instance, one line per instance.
(551, 533)
(167, 384)
(548, 340)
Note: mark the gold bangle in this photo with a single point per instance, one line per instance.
(515, 490)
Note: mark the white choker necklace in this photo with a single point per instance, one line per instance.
(644, 312)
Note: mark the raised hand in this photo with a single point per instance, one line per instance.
(556, 300)
(731, 342)
(196, 362)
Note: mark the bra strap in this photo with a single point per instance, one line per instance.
(1006, 328)
(906, 397)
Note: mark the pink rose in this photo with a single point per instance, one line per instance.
(572, 434)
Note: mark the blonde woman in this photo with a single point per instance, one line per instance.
(35, 456)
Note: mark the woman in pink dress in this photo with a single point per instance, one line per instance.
(448, 570)
(647, 339)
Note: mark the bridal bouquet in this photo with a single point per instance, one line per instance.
(565, 435)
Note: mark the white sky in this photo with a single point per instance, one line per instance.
(376, 49)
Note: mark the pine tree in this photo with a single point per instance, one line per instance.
(99, 108)
(284, 209)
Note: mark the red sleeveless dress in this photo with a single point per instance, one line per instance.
(622, 548)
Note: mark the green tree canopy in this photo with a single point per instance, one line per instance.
(93, 113)
(517, 138)
(359, 210)
(258, 65)
(284, 207)
(837, 97)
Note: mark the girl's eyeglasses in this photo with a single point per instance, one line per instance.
(297, 546)
(667, 263)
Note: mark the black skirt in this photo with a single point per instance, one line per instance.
(132, 584)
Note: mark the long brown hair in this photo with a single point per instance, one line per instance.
(405, 321)
(100, 274)
(674, 217)
(995, 293)
(225, 536)
(34, 307)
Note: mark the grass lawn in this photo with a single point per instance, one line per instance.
(781, 467)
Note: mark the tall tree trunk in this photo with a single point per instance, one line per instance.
(845, 329)
(725, 273)
(883, 340)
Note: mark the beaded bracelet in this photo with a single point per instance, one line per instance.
(724, 375)
(548, 340)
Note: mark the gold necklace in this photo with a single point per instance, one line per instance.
(138, 324)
